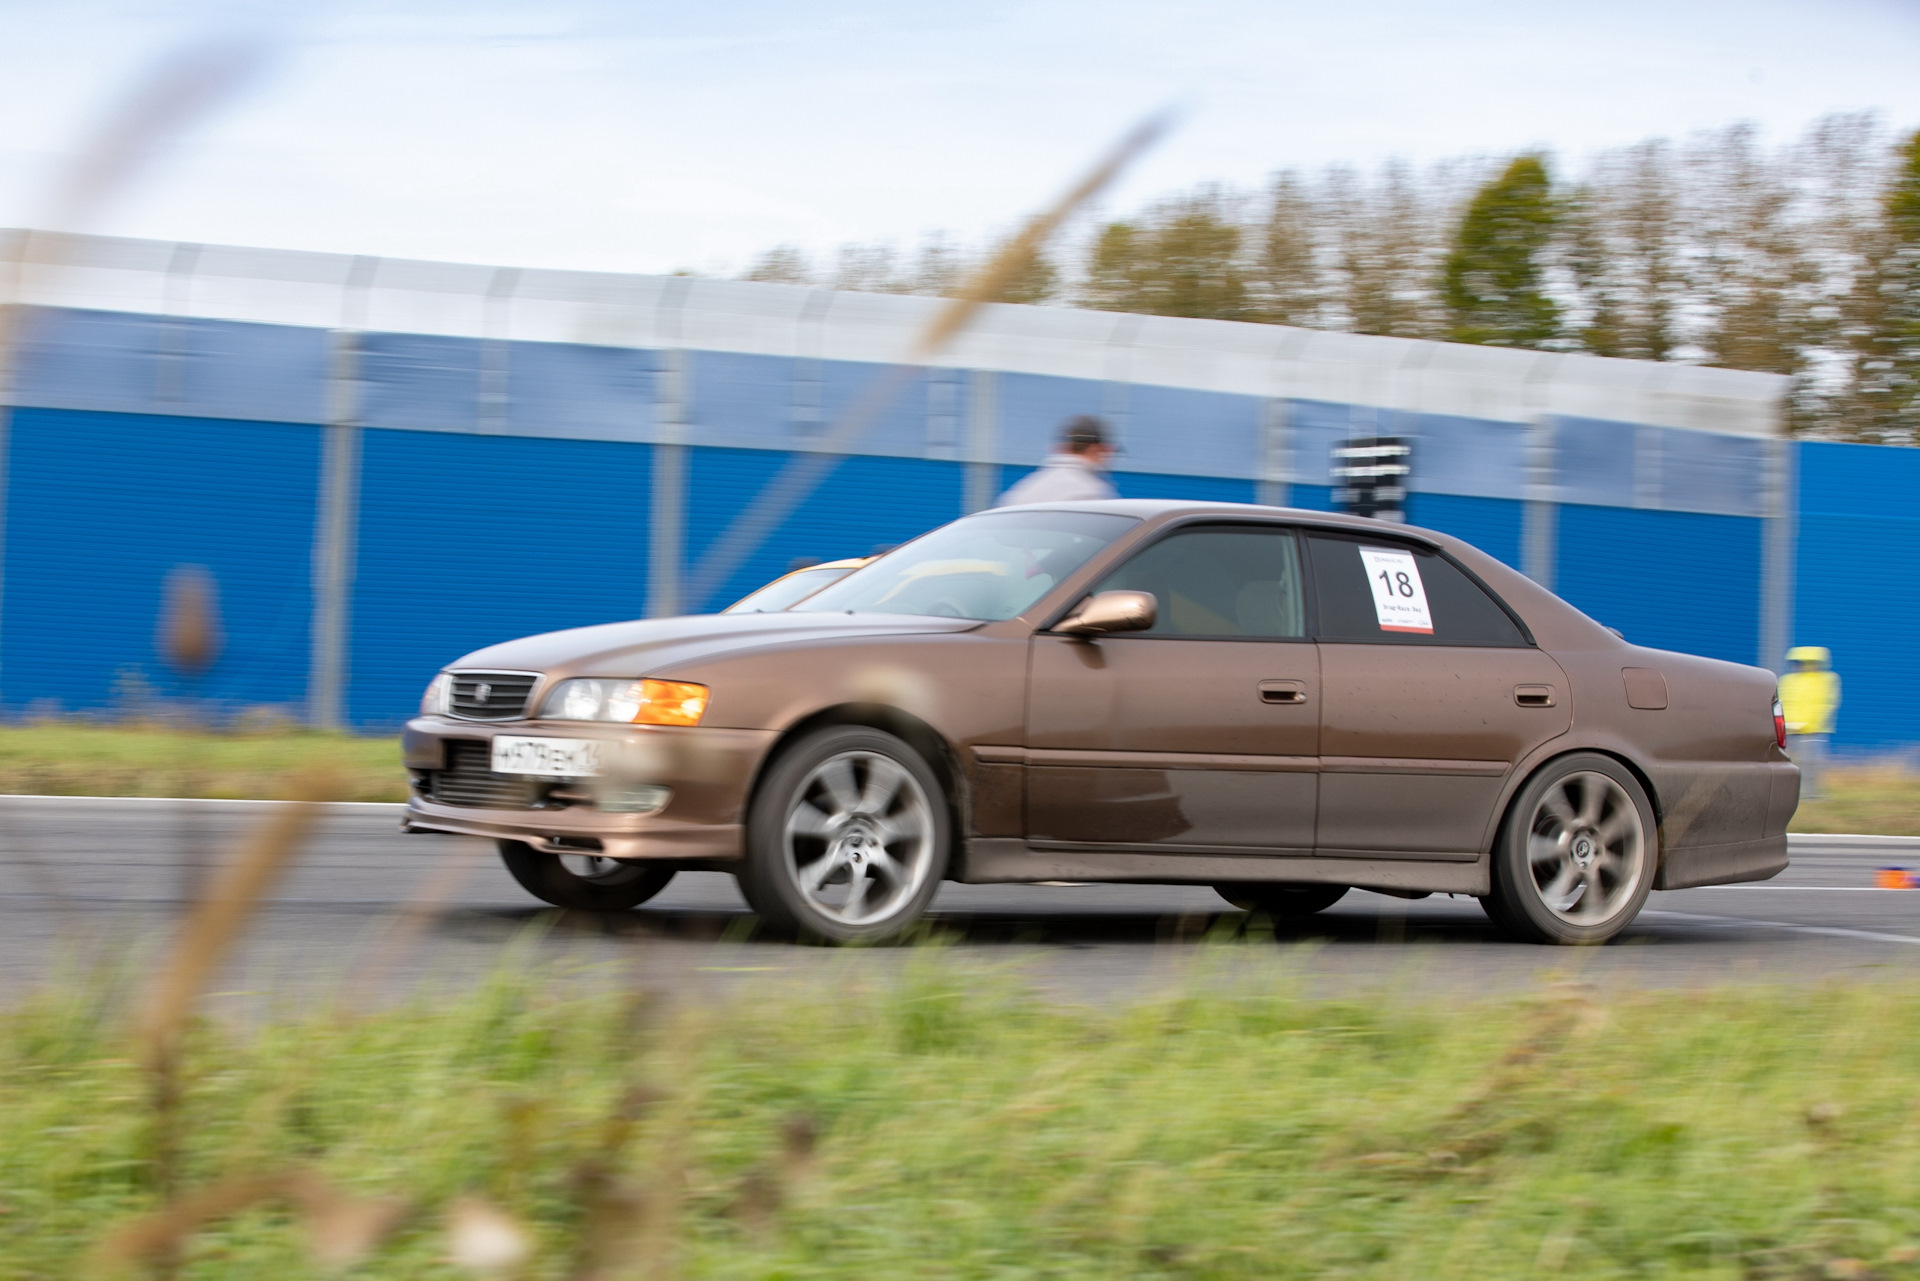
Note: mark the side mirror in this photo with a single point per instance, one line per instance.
(1111, 612)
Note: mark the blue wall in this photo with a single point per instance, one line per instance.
(862, 503)
(505, 489)
(102, 507)
(1858, 563)
(1672, 580)
(1491, 524)
(470, 540)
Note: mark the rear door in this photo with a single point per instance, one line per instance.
(1430, 693)
(1200, 734)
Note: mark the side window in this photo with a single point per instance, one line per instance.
(1220, 581)
(1400, 594)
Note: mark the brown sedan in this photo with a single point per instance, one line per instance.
(1281, 704)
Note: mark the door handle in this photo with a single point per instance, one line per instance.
(1283, 691)
(1533, 695)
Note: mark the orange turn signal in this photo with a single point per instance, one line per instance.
(671, 703)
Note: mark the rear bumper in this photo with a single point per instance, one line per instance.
(1756, 860)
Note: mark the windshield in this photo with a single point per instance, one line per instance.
(783, 592)
(988, 567)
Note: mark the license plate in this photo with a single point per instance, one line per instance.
(546, 757)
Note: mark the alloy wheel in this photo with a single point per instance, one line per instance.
(859, 837)
(1586, 848)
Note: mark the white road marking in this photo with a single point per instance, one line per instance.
(1871, 936)
(1802, 889)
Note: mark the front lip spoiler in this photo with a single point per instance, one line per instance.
(621, 836)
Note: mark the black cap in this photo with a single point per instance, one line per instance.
(1083, 430)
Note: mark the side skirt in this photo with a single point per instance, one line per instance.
(1005, 860)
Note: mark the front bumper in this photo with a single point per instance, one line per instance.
(710, 772)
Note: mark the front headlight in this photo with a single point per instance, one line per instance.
(628, 702)
(434, 701)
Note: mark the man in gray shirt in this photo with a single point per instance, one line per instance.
(1075, 470)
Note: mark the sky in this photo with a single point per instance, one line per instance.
(624, 136)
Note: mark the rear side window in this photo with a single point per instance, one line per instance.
(1220, 581)
(1382, 592)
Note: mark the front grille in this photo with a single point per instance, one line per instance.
(491, 696)
(468, 779)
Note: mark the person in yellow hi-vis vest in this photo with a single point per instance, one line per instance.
(1809, 696)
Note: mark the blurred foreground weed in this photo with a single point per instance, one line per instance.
(932, 1127)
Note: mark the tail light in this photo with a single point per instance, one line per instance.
(1779, 724)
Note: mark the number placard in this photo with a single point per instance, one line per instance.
(1399, 597)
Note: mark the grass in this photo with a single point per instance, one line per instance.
(1882, 799)
(71, 759)
(932, 1130)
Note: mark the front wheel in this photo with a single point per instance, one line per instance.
(1576, 856)
(583, 882)
(1281, 901)
(847, 837)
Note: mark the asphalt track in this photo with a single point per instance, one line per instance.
(368, 915)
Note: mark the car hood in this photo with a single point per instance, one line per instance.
(653, 647)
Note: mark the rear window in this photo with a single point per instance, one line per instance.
(1378, 591)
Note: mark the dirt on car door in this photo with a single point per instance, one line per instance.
(1198, 735)
(1431, 694)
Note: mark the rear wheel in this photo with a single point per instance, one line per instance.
(583, 882)
(1576, 856)
(847, 837)
(1280, 900)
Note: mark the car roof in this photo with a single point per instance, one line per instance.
(1157, 509)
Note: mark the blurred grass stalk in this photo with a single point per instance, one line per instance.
(205, 939)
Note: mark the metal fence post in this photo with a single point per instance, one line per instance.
(667, 517)
(1275, 486)
(983, 474)
(1777, 553)
(667, 512)
(337, 521)
(496, 351)
(170, 370)
(1540, 518)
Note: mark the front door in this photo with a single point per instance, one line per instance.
(1431, 694)
(1200, 734)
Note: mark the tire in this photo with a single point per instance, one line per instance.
(1278, 900)
(847, 838)
(1576, 854)
(583, 882)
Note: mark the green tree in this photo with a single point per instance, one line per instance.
(1494, 280)
(781, 265)
(1886, 311)
(1033, 279)
(1388, 252)
(1181, 259)
(1752, 272)
(1286, 270)
(1622, 231)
